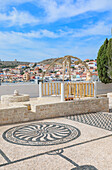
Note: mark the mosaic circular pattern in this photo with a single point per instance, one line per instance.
(41, 134)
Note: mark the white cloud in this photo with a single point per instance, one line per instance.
(100, 28)
(18, 18)
(26, 49)
(66, 41)
(59, 9)
(55, 10)
(40, 34)
(20, 45)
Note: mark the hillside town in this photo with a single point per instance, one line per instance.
(33, 71)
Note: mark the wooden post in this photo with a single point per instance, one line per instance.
(57, 88)
(77, 90)
(74, 90)
(84, 89)
(54, 88)
(45, 89)
(87, 89)
(90, 89)
(80, 89)
(60, 88)
(51, 88)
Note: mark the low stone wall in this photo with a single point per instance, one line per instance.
(71, 108)
(38, 112)
(12, 114)
(102, 88)
(109, 95)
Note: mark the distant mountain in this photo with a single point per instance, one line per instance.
(5, 64)
(47, 61)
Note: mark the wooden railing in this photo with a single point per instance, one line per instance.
(79, 90)
(53, 88)
(76, 90)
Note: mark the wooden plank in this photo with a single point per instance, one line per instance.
(45, 89)
(77, 90)
(51, 88)
(80, 90)
(48, 89)
(84, 89)
(57, 88)
(60, 88)
(70, 88)
(54, 88)
(87, 89)
(90, 90)
(74, 90)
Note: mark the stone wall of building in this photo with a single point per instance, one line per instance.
(38, 112)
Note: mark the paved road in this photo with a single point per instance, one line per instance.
(31, 89)
(70, 143)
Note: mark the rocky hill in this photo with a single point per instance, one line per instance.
(47, 61)
(6, 64)
(12, 64)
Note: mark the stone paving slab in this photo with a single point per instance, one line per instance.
(92, 149)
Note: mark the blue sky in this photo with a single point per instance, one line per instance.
(34, 30)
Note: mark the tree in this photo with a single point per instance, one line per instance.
(102, 62)
(109, 55)
(110, 69)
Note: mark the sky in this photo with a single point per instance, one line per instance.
(35, 30)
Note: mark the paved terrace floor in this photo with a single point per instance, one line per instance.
(80, 142)
(33, 101)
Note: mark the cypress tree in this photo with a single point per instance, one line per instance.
(109, 55)
(102, 63)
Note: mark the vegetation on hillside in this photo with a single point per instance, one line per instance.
(11, 64)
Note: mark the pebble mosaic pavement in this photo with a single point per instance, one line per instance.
(79, 142)
(39, 134)
(99, 120)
